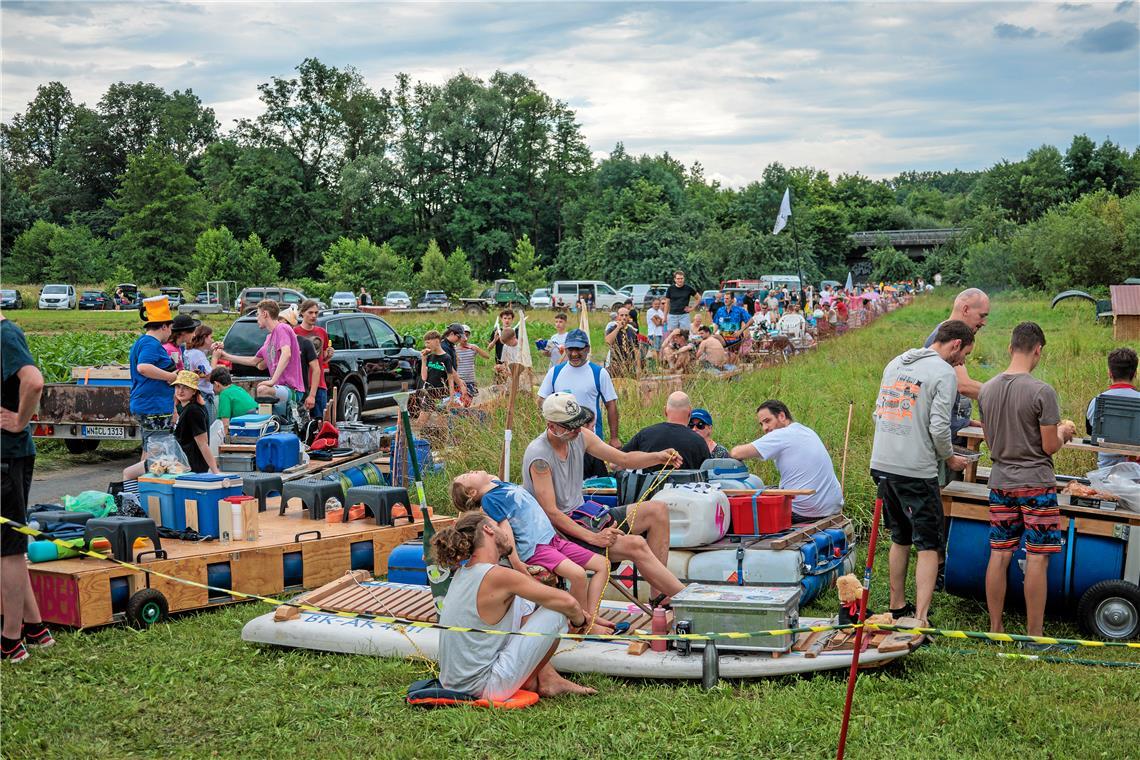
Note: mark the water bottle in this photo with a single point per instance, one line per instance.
(236, 518)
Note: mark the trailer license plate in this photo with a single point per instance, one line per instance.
(104, 431)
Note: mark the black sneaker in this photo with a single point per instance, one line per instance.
(907, 610)
(38, 635)
(13, 650)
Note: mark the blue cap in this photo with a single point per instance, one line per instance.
(702, 415)
(577, 339)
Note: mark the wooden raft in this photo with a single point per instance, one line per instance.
(356, 592)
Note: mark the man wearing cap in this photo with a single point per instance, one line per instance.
(152, 371)
(673, 433)
(552, 466)
(451, 337)
(701, 422)
(591, 385)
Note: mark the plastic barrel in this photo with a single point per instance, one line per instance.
(362, 556)
(811, 586)
(294, 568)
(120, 593)
(406, 564)
(218, 574)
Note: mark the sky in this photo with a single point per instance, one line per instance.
(875, 88)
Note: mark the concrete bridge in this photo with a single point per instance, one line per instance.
(914, 243)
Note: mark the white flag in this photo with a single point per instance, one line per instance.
(785, 212)
(849, 287)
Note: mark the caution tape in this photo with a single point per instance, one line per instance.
(710, 636)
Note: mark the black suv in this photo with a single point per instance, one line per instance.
(371, 360)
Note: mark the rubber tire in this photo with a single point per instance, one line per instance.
(1124, 592)
(80, 445)
(147, 607)
(346, 390)
(473, 308)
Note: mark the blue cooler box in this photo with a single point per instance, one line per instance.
(247, 428)
(156, 497)
(278, 452)
(197, 497)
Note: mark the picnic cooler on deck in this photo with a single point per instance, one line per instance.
(760, 514)
(722, 609)
(730, 473)
(249, 427)
(198, 497)
(156, 497)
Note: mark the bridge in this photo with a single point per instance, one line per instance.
(914, 243)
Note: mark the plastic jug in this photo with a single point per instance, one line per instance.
(698, 514)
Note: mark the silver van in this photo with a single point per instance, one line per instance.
(565, 294)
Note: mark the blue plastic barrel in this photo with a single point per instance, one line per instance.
(362, 556)
(218, 575)
(406, 564)
(120, 593)
(968, 554)
(294, 568)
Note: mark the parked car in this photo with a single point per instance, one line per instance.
(709, 297)
(371, 361)
(131, 296)
(567, 292)
(95, 300)
(205, 297)
(643, 295)
(174, 295)
(57, 297)
(11, 299)
(343, 299)
(540, 299)
(434, 299)
(397, 299)
(250, 297)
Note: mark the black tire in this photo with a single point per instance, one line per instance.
(473, 308)
(80, 445)
(147, 607)
(350, 403)
(1111, 610)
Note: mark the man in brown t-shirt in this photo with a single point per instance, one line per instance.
(1023, 430)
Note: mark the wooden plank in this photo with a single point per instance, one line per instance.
(260, 571)
(180, 596)
(323, 560)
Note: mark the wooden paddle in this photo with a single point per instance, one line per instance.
(505, 459)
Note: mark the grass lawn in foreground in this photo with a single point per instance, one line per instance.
(192, 688)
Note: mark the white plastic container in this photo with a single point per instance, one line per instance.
(767, 566)
(698, 514)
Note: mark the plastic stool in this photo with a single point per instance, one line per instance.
(261, 485)
(379, 500)
(313, 495)
(121, 532)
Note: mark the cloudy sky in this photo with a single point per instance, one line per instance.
(870, 87)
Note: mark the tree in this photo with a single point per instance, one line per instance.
(348, 264)
(457, 279)
(77, 256)
(891, 265)
(259, 262)
(32, 140)
(219, 256)
(432, 267)
(525, 270)
(30, 257)
(162, 215)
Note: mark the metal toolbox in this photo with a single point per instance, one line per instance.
(724, 609)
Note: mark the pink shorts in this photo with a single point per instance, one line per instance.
(551, 555)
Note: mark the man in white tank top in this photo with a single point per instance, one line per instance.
(484, 594)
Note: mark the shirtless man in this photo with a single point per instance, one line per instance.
(711, 352)
(485, 594)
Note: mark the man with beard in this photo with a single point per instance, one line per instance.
(484, 594)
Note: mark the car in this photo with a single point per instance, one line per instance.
(540, 299)
(127, 296)
(371, 362)
(95, 300)
(709, 297)
(11, 299)
(343, 299)
(250, 297)
(601, 296)
(57, 297)
(205, 297)
(174, 295)
(397, 299)
(434, 299)
(643, 295)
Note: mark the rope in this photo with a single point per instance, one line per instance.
(433, 666)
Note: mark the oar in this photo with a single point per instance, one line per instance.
(505, 460)
(846, 440)
(438, 578)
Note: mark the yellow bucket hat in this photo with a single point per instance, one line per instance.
(186, 377)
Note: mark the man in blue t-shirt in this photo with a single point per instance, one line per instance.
(152, 372)
(730, 318)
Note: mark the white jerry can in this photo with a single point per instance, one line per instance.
(698, 514)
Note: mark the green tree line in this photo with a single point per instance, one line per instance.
(336, 184)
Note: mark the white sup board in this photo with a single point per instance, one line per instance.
(330, 633)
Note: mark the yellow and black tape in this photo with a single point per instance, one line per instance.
(709, 636)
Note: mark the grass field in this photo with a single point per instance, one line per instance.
(192, 688)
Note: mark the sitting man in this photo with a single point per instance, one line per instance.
(552, 471)
(484, 594)
(1122, 382)
(801, 458)
(678, 351)
(673, 433)
(711, 352)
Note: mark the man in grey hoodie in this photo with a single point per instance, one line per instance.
(912, 436)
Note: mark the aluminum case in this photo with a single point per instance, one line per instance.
(721, 609)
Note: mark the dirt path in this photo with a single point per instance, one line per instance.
(50, 486)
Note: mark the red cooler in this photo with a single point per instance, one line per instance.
(759, 514)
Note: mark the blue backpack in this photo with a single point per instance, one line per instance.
(597, 370)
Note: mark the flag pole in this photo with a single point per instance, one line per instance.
(799, 257)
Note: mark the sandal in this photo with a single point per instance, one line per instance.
(658, 600)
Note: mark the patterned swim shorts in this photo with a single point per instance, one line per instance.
(1029, 511)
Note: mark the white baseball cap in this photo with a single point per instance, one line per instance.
(563, 409)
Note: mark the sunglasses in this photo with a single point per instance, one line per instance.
(697, 425)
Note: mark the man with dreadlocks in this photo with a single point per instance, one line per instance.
(484, 594)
